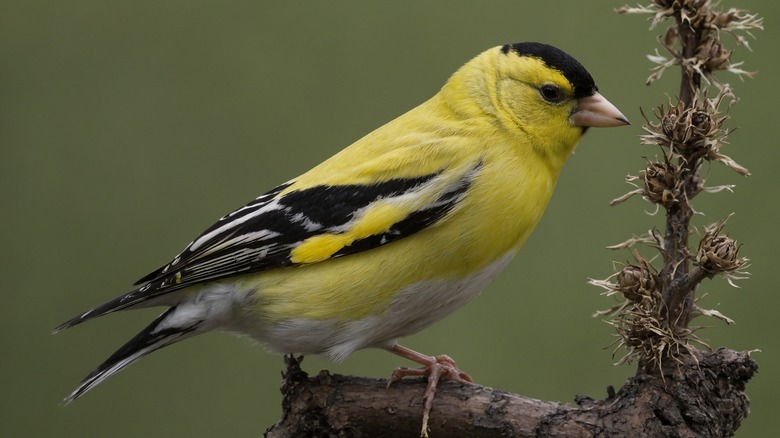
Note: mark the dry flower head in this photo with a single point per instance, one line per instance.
(652, 318)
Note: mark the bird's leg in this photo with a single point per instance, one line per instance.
(435, 368)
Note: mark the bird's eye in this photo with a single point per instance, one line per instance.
(551, 93)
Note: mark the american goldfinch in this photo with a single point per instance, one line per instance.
(391, 234)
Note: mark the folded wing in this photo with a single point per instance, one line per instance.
(292, 226)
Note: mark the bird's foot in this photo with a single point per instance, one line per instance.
(435, 369)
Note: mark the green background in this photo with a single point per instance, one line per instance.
(129, 127)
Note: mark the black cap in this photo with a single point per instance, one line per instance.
(557, 59)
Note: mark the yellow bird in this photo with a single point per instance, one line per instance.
(391, 234)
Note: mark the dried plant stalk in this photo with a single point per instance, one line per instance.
(653, 321)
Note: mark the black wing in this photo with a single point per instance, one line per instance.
(262, 234)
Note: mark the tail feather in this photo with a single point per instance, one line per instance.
(156, 335)
(144, 294)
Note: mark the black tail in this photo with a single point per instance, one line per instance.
(132, 298)
(155, 336)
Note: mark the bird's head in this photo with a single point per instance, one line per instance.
(540, 92)
(536, 78)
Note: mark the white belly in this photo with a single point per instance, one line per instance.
(413, 309)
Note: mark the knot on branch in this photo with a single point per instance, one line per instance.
(705, 393)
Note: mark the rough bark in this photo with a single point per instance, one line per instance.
(702, 397)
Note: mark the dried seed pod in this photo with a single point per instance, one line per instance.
(700, 124)
(695, 132)
(701, 121)
(661, 183)
(636, 282)
(713, 56)
(669, 121)
(677, 125)
(718, 253)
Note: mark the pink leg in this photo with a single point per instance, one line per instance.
(435, 368)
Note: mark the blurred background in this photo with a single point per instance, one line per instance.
(129, 127)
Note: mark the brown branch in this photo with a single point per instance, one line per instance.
(703, 399)
(681, 289)
(690, 38)
(679, 302)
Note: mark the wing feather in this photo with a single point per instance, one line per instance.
(265, 233)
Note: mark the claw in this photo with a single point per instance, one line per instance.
(435, 369)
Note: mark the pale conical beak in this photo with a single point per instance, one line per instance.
(597, 112)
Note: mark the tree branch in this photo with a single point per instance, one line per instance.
(703, 398)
